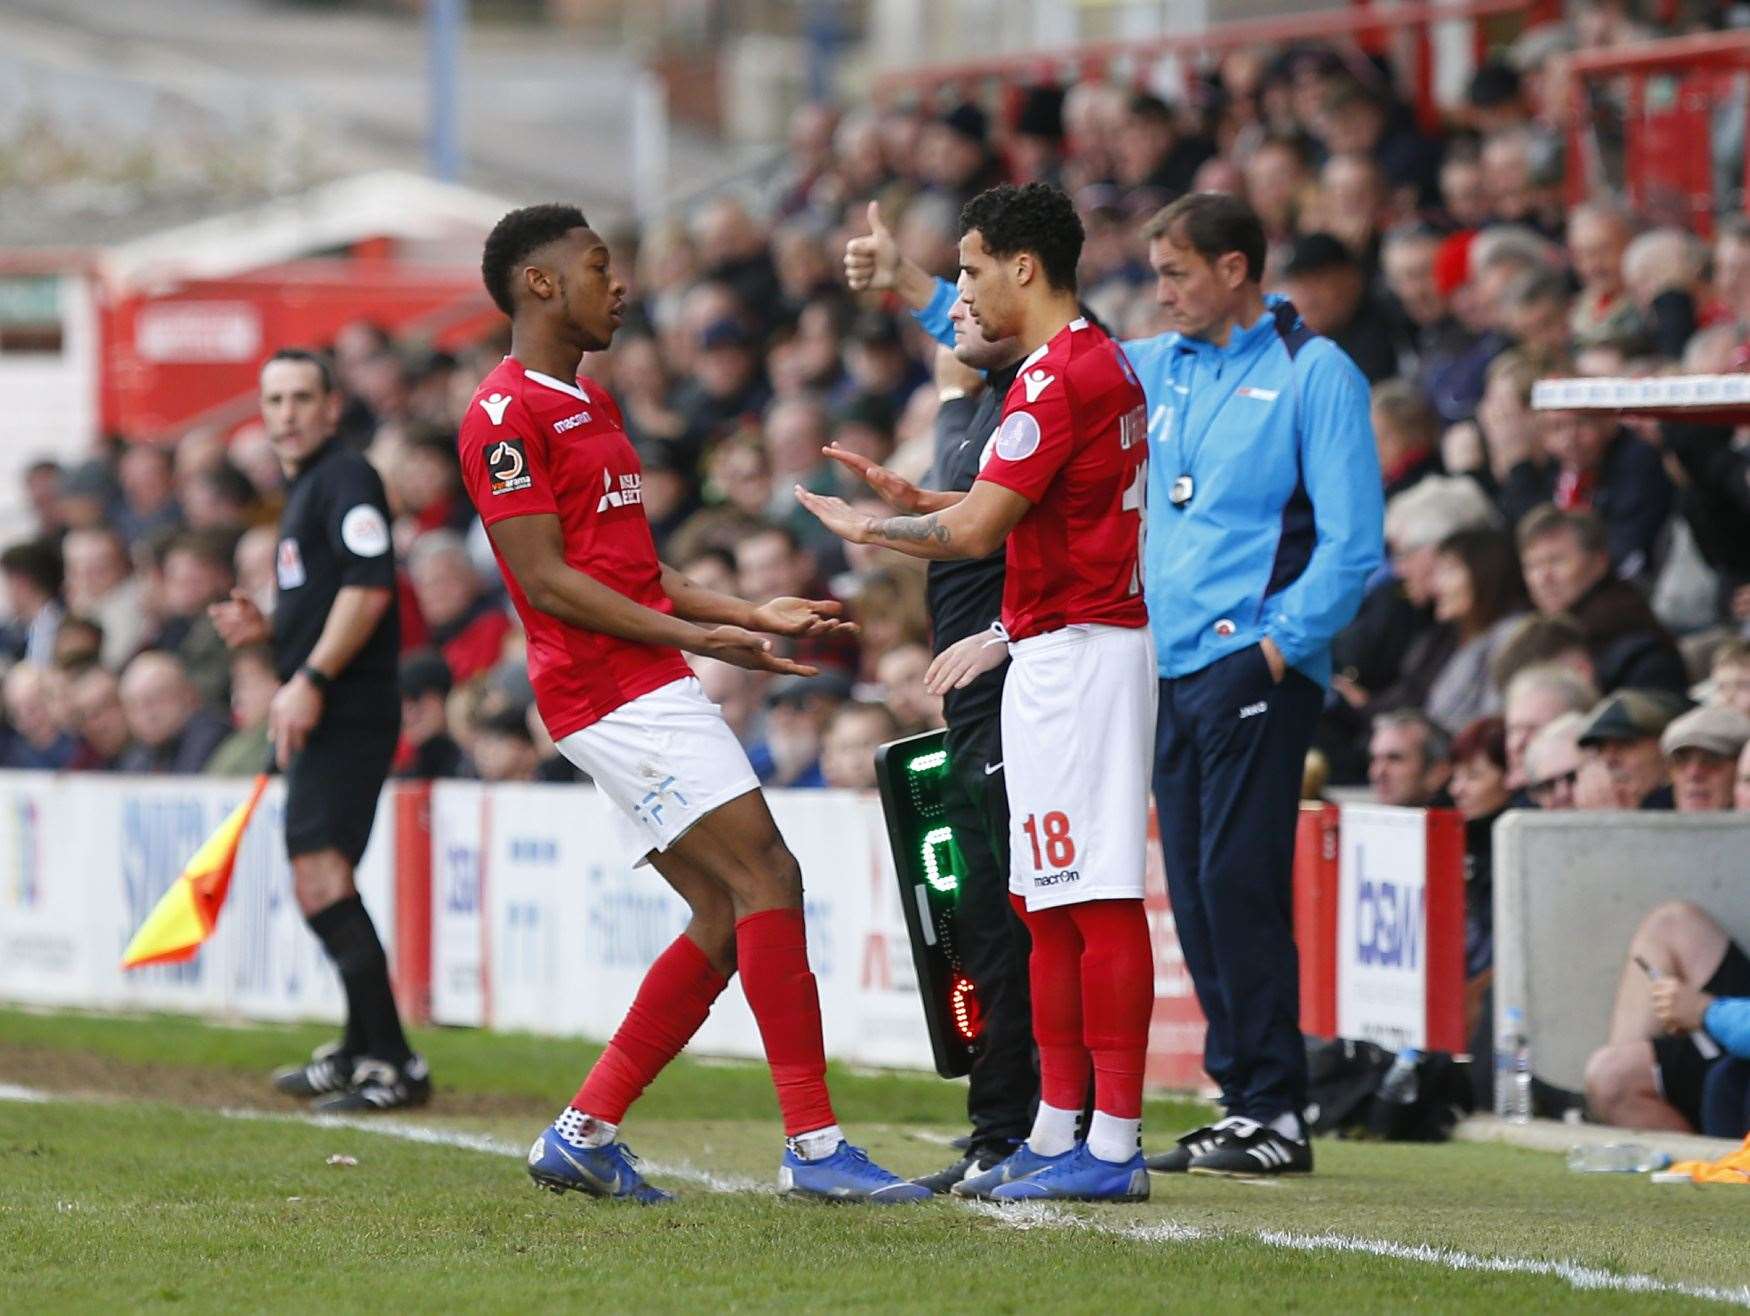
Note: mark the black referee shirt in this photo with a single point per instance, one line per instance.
(334, 532)
(966, 595)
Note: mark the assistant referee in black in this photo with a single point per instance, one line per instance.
(335, 720)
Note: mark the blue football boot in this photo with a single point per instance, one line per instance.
(606, 1171)
(1019, 1164)
(1080, 1176)
(848, 1175)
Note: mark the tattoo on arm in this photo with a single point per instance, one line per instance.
(918, 528)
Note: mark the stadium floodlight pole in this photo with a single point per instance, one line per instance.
(445, 21)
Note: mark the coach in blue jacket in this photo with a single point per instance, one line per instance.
(1265, 519)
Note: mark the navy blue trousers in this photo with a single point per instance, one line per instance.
(1230, 746)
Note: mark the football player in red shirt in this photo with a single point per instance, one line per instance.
(1062, 484)
(547, 462)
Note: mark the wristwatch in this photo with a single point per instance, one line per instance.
(321, 680)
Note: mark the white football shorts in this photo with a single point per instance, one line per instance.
(1078, 750)
(664, 760)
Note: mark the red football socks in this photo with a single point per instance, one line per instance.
(771, 950)
(1055, 972)
(672, 1002)
(1118, 997)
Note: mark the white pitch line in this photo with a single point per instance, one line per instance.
(1032, 1216)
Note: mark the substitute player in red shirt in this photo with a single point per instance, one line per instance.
(547, 462)
(1062, 484)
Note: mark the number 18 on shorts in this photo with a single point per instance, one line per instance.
(1078, 744)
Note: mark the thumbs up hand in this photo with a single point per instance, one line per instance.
(872, 262)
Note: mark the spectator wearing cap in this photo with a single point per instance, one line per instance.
(173, 732)
(1409, 760)
(427, 751)
(33, 574)
(35, 700)
(254, 683)
(466, 623)
(1553, 761)
(856, 731)
(1622, 734)
(1535, 697)
(798, 709)
(1327, 286)
(1567, 562)
(1702, 749)
(1155, 152)
(97, 719)
(101, 585)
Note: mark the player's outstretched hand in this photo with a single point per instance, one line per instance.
(742, 648)
(835, 514)
(872, 262)
(238, 621)
(802, 618)
(963, 662)
(893, 488)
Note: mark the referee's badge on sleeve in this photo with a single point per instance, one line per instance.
(364, 532)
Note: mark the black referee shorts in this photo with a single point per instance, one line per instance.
(333, 784)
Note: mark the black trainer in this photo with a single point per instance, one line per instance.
(974, 1162)
(379, 1085)
(329, 1070)
(1190, 1147)
(1249, 1150)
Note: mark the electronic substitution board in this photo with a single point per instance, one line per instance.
(914, 777)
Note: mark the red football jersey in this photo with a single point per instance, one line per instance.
(1073, 442)
(532, 444)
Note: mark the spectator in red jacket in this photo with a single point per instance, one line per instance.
(467, 625)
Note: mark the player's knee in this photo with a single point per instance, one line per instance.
(769, 877)
(1668, 923)
(1614, 1074)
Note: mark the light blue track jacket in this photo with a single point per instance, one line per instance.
(1286, 519)
(1728, 1022)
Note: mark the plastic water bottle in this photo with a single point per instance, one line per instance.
(1513, 1069)
(1400, 1086)
(1616, 1158)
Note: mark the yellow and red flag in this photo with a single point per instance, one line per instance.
(186, 914)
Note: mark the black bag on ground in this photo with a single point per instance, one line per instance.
(1343, 1098)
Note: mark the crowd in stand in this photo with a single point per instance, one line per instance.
(1564, 618)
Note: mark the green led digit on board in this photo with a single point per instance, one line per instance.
(939, 841)
(928, 762)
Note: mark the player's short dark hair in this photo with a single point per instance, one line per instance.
(304, 356)
(1213, 224)
(35, 560)
(515, 238)
(1036, 218)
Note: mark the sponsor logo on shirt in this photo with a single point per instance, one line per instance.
(1065, 878)
(630, 492)
(571, 422)
(507, 464)
(290, 564)
(1036, 382)
(1017, 437)
(495, 406)
(1133, 427)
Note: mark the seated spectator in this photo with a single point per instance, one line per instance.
(36, 708)
(1553, 763)
(857, 730)
(1538, 641)
(772, 563)
(97, 720)
(1567, 570)
(254, 683)
(32, 572)
(1409, 760)
(221, 498)
(468, 626)
(1664, 275)
(78, 645)
(147, 475)
(1479, 598)
(255, 564)
(1654, 1066)
(1405, 433)
(101, 585)
(798, 709)
(1479, 790)
(900, 674)
(173, 732)
(1622, 734)
(1328, 287)
(1702, 749)
(1536, 697)
(1595, 464)
(1729, 677)
(1537, 310)
(504, 747)
(427, 750)
(196, 573)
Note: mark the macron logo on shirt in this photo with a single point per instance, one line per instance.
(1036, 382)
(495, 406)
